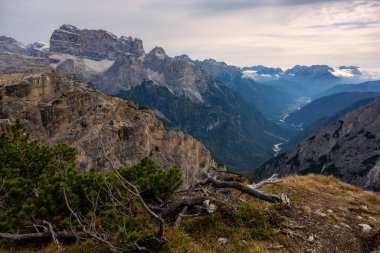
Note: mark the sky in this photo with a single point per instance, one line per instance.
(274, 33)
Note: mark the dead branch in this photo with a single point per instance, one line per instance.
(272, 180)
(131, 188)
(248, 189)
(42, 235)
(52, 233)
(179, 217)
(177, 205)
(92, 234)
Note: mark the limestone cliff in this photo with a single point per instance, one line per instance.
(58, 109)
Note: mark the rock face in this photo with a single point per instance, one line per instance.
(58, 109)
(349, 150)
(92, 44)
(37, 49)
(9, 62)
(8, 44)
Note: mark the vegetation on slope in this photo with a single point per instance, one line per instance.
(324, 216)
(41, 189)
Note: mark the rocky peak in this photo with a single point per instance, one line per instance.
(93, 44)
(8, 44)
(157, 53)
(38, 49)
(184, 57)
(220, 70)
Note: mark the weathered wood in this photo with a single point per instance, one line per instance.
(42, 235)
(248, 189)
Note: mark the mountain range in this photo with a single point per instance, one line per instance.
(242, 116)
(234, 129)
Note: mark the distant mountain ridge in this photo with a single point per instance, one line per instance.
(326, 107)
(237, 118)
(348, 149)
(370, 86)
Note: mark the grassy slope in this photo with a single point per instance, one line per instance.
(257, 227)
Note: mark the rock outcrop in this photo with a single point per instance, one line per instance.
(8, 44)
(58, 109)
(349, 150)
(37, 49)
(93, 44)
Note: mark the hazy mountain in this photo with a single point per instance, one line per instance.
(267, 99)
(348, 149)
(323, 122)
(370, 86)
(325, 107)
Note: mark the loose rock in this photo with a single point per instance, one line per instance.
(365, 228)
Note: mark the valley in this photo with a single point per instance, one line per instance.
(247, 126)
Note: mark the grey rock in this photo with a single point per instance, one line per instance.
(319, 213)
(92, 44)
(8, 44)
(365, 228)
(37, 49)
(222, 241)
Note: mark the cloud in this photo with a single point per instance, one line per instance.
(240, 32)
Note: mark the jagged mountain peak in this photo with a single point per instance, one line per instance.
(9, 44)
(184, 57)
(68, 27)
(93, 44)
(158, 52)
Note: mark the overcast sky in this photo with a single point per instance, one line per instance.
(240, 32)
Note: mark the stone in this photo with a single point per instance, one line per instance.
(329, 211)
(222, 240)
(307, 209)
(319, 213)
(365, 228)
(210, 208)
(372, 218)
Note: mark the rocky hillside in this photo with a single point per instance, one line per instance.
(348, 150)
(58, 109)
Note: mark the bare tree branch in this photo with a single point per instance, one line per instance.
(247, 189)
(84, 228)
(40, 235)
(52, 233)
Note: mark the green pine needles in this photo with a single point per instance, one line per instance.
(34, 177)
